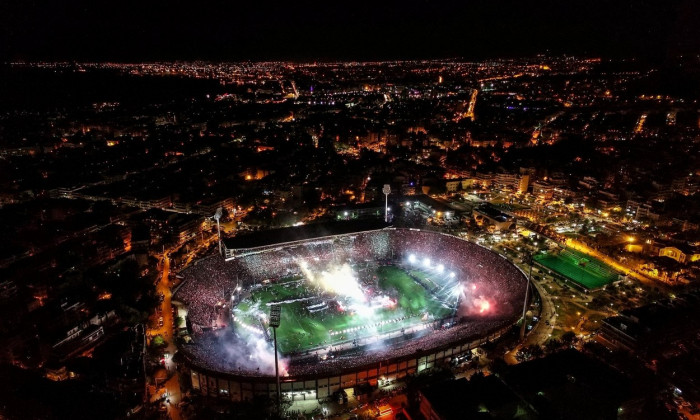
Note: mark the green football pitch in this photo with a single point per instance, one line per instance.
(585, 270)
(301, 330)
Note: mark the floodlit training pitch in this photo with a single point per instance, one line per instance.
(403, 298)
(582, 269)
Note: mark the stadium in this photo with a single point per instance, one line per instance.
(361, 304)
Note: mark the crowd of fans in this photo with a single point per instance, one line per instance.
(210, 283)
(206, 286)
(462, 332)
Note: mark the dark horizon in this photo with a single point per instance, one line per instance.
(309, 31)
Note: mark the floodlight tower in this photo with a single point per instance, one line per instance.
(386, 190)
(275, 313)
(217, 217)
(527, 289)
(460, 290)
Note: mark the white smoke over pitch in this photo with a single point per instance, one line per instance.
(252, 350)
(252, 353)
(339, 280)
(342, 281)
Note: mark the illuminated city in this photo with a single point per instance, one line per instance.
(420, 210)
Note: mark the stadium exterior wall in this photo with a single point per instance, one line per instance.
(241, 387)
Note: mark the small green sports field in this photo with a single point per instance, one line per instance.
(580, 268)
(301, 330)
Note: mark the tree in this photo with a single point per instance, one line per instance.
(599, 301)
(568, 338)
(552, 345)
(535, 350)
(498, 365)
(591, 346)
(584, 227)
(157, 341)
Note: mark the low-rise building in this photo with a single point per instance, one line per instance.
(680, 253)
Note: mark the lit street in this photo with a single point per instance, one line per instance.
(171, 388)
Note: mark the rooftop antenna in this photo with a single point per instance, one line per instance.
(217, 217)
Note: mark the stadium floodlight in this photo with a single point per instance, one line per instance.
(452, 274)
(426, 262)
(275, 315)
(217, 217)
(440, 268)
(457, 291)
(527, 290)
(412, 259)
(386, 190)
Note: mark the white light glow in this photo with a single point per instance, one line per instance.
(339, 280)
(484, 306)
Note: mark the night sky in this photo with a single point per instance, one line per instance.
(341, 29)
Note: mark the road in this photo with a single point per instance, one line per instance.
(172, 386)
(364, 406)
(541, 331)
(201, 248)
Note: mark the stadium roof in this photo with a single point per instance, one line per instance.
(493, 213)
(292, 234)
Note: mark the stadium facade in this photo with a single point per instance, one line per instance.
(241, 387)
(252, 259)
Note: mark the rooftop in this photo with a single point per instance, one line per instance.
(299, 233)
